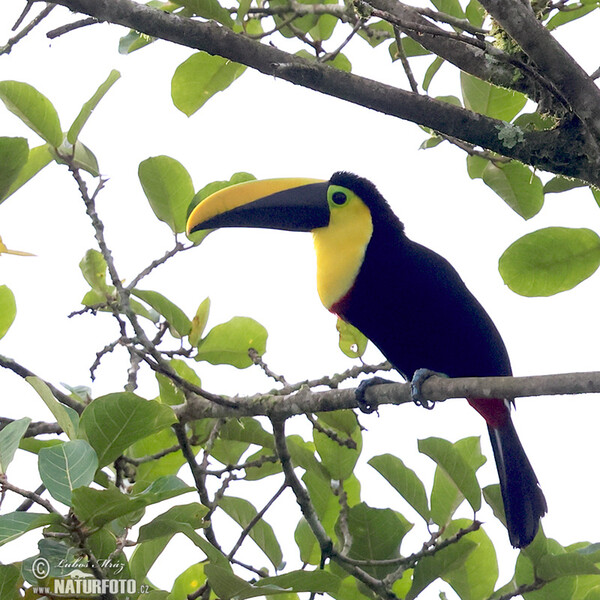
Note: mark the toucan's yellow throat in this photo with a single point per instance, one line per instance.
(339, 220)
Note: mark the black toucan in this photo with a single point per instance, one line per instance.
(408, 300)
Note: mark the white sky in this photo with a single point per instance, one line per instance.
(272, 129)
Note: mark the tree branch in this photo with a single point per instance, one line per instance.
(435, 389)
(578, 88)
(562, 150)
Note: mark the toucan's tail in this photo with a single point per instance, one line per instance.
(524, 502)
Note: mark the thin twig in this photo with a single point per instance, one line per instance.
(6, 49)
(414, 86)
(179, 247)
(33, 496)
(54, 33)
(259, 515)
(332, 435)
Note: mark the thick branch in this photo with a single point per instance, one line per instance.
(435, 389)
(559, 151)
(577, 87)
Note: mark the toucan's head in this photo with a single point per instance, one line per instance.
(341, 213)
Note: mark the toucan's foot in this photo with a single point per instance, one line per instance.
(419, 377)
(361, 391)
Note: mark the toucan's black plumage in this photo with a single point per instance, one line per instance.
(408, 300)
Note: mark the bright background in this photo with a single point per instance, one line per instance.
(271, 128)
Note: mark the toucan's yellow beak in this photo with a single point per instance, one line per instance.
(293, 204)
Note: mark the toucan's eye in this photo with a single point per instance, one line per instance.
(339, 198)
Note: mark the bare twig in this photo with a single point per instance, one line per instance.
(33, 496)
(258, 360)
(332, 435)
(259, 515)
(19, 36)
(54, 33)
(179, 247)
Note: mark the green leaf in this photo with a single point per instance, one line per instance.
(189, 581)
(413, 48)
(210, 189)
(66, 467)
(475, 13)
(563, 17)
(244, 513)
(376, 534)
(149, 471)
(326, 503)
(88, 108)
(199, 78)
(93, 267)
(208, 9)
(445, 561)
(8, 309)
(476, 166)
(169, 189)
(303, 581)
(228, 586)
(176, 318)
(228, 343)
(339, 460)
(563, 587)
(457, 468)
(38, 158)
(445, 495)
(10, 437)
(559, 184)
(114, 422)
(246, 429)
(34, 109)
(450, 7)
(404, 481)
(517, 186)
(133, 41)
(145, 555)
(15, 524)
(79, 155)
(14, 152)
(199, 322)
(550, 260)
(66, 417)
(592, 594)
(487, 99)
(351, 342)
(10, 582)
(177, 519)
(433, 68)
(95, 507)
(476, 578)
(553, 566)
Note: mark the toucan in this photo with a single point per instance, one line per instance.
(406, 299)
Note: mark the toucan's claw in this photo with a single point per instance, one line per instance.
(419, 377)
(361, 391)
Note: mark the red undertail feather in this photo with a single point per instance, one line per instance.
(524, 502)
